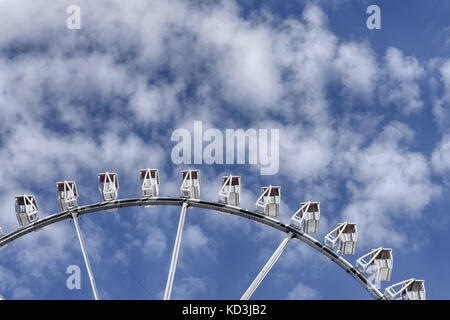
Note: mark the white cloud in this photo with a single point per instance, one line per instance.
(155, 244)
(441, 86)
(121, 257)
(357, 65)
(155, 104)
(441, 156)
(305, 153)
(7, 280)
(188, 288)
(195, 238)
(399, 85)
(245, 61)
(303, 292)
(385, 177)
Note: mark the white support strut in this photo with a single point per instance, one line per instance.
(85, 256)
(176, 250)
(265, 270)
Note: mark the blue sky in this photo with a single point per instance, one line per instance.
(363, 119)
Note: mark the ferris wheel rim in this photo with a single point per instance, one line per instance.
(202, 204)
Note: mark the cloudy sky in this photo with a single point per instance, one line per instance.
(363, 118)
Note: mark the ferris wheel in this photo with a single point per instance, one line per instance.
(375, 265)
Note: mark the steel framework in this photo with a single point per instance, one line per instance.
(410, 289)
(416, 289)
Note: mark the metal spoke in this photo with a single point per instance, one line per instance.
(176, 250)
(265, 270)
(85, 256)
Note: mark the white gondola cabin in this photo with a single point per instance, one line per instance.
(190, 186)
(344, 237)
(26, 210)
(149, 182)
(414, 290)
(230, 191)
(307, 217)
(67, 195)
(269, 201)
(108, 185)
(410, 289)
(379, 264)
